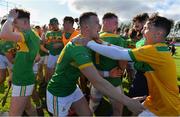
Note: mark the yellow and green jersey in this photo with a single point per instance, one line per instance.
(130, 43)
(66, 37)
(103, 63)
(140, 43)
(72, 58)
(160, 71)
(53, 37)
(7, 46)
(23, 66)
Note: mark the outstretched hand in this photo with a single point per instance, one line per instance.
(135, 106)
(13, 14)
(115, 72)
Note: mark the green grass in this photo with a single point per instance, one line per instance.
(177, 59)
(104, 103)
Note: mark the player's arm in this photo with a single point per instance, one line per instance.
(113, 52)
(7, 29)
(113, 73)
(105, 87)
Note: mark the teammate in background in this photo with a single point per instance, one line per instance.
(23, 78)
(139, 83)
(68, 31)
(54, 45)
(62, 90)
(109, 26)
(125, 34)
(163, 99)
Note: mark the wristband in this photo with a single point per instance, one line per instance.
(106, 73)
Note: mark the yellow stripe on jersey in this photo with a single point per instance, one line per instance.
(85, 65)
(22, 37)
(61, 56)
(22, 47)
(108, 35)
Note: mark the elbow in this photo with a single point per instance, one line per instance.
(2, 35)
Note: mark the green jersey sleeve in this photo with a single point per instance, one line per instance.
(82, 57)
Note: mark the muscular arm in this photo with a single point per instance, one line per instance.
(105, 87)
(113, 52)
(8, 34)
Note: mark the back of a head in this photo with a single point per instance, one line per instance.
(109, 16)
(141, 17)
(69, 19)
(83, 19)
(161, 22)
(23, 14)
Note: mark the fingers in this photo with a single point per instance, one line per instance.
(13, 13)
(116, 72)
(140, 98)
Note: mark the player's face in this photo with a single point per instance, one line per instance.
(19, 23)
(67, 26)
(138, 26)
(94, 27)
(113, 23)
(149, 32)
(55, 26)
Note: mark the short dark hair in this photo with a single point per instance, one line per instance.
(141, 17)
(22, 13)
(69, 19)
(109, 16)
(132, 33)
(161, 22)
(118, 29)
(85, 16)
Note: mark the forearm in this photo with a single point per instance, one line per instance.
(44, 49)
(7, 29)
(104, 73)
(106, 88)
(113, 52)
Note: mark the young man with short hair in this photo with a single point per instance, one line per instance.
(68, 31)
(160, 67)
(109, 26)
(54, 44)
(23, 78)
(62, 90)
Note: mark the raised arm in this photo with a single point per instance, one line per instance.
(7, 29)
(113, 52)
(106, 88)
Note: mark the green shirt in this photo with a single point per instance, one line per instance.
(42, 53)
(103, 63)
(23, 66)
(140, 43)
(54, 37)
(72, 58)
(7, 46)
(130, 43)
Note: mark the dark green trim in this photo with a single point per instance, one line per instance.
(142, 66)
(131, 55)
(162, 48)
